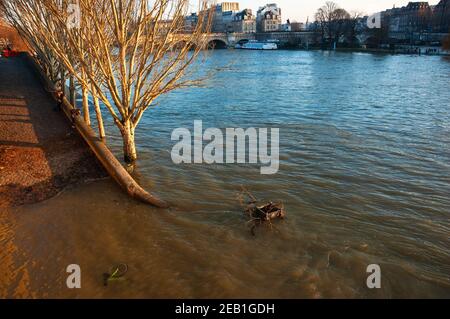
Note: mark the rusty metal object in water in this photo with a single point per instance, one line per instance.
(260, 214)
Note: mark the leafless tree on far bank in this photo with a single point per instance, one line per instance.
(335, 22)
(324, 17)
(355, 17)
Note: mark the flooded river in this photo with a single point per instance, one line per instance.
(364, 175)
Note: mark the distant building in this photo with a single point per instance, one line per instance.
(293, 26)
(441, 17)
(415, 17)
(224, 16)
(286, 27)
(417, 23)
(268, 18)
(228, 6)
(310, 26)
(297, 26)
(190, 22)
(244, 22)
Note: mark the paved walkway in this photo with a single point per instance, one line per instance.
(40, 153)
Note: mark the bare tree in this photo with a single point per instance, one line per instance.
(354, 26)
(338, 24)
(26, 27)
(125, 53)
(324, 17)
(321, 21)
(332, 22)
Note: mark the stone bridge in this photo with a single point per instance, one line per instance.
(225, 40)
(230, 39)
(304, 38)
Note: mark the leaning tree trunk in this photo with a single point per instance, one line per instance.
(85, 104)
(63, 81)
(72, 92)
(86, 115)
(129, 145)
(98, 113)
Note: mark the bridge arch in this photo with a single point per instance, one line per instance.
(183, 43)
(217, 44)
(243, 41)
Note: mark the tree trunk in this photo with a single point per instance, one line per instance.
(72, 92)
(129, 145)
(98, 113)
(85, 105)
(63, 81)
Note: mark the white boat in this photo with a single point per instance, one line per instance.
(256, 45)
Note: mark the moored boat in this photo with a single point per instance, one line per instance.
(257, 45)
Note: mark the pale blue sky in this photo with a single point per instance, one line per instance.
(300, 9)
